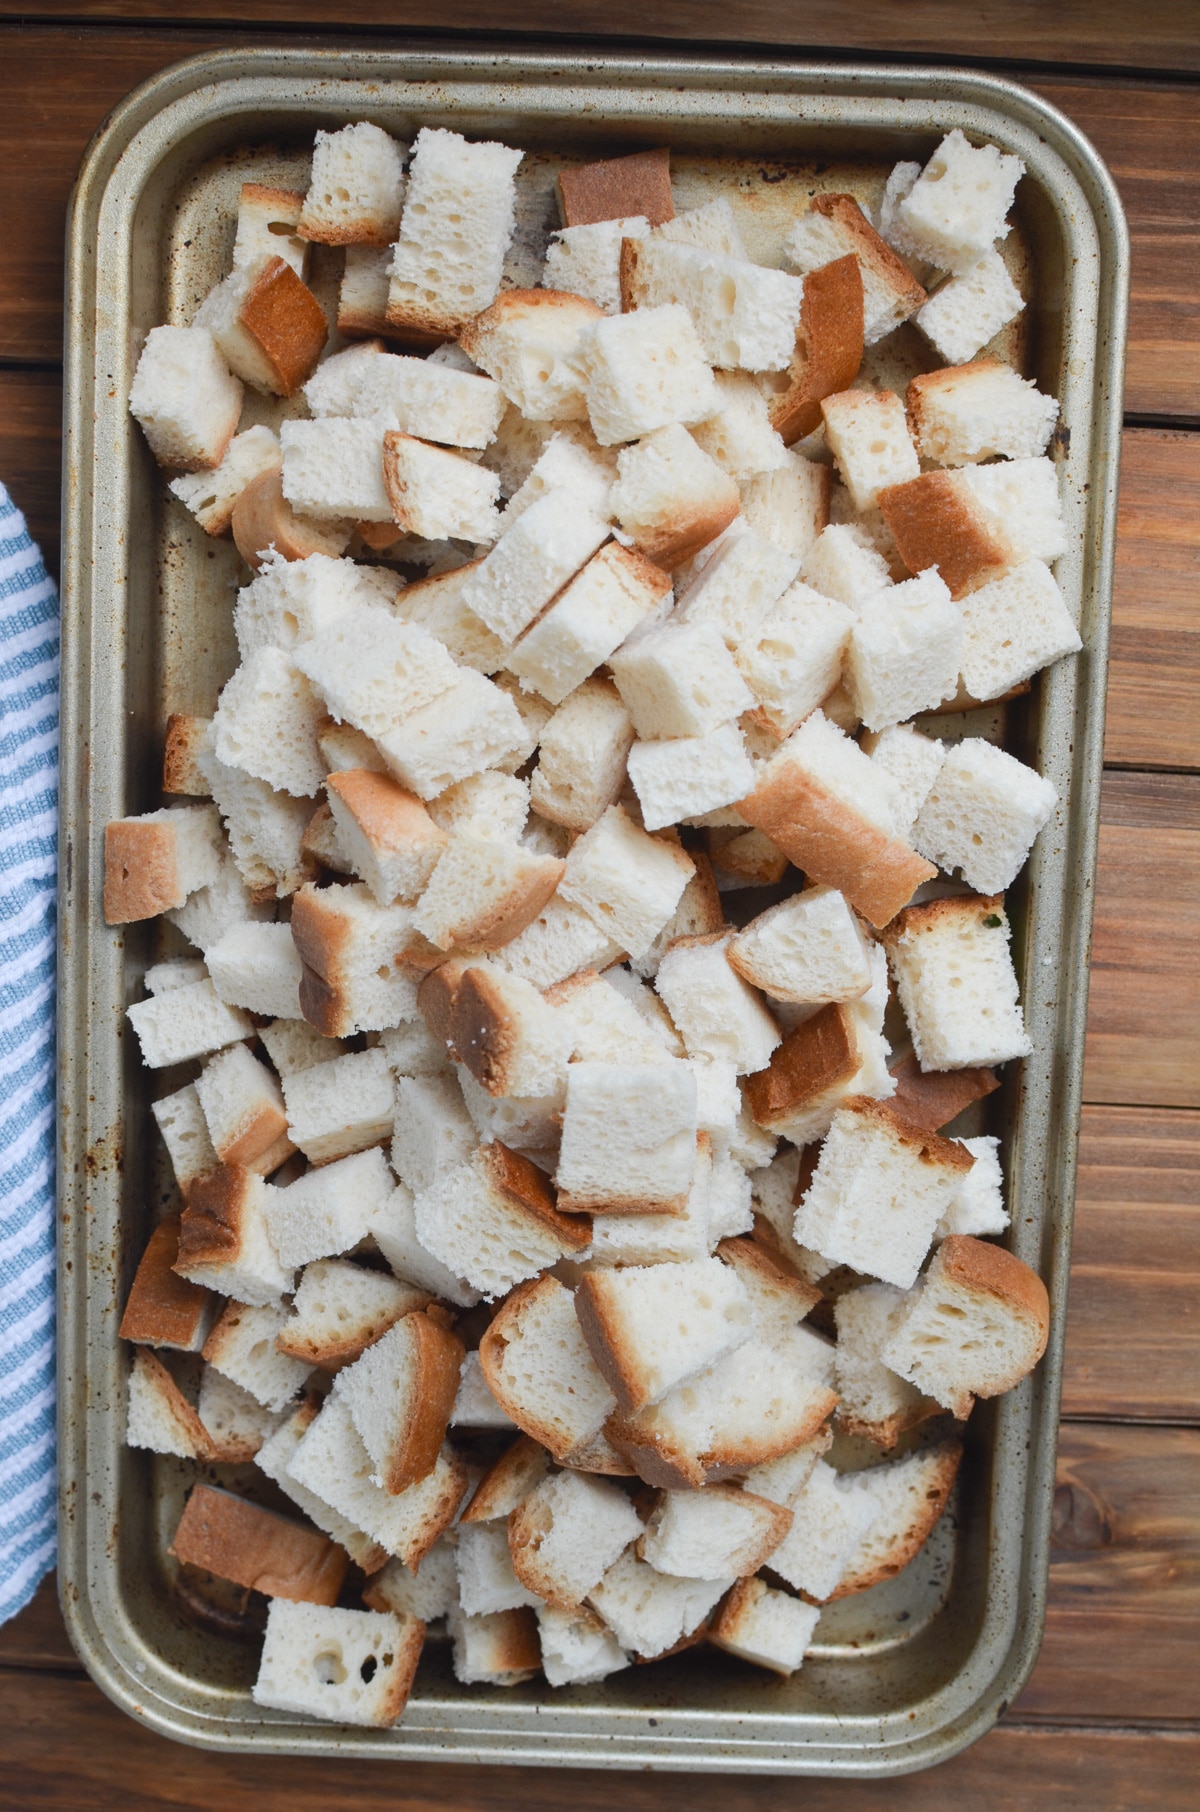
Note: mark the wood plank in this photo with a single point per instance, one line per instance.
(1156, 34)
(37, 1640)
(1154, 675)
(1133, 1320)
(1143, 1042)
(66, 1747)
(31, 453)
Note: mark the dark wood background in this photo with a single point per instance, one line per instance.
(1111, 1717)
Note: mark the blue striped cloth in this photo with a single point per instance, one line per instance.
(28, 871)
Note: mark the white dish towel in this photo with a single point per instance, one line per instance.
(28, 873)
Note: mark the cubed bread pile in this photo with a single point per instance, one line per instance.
(550, 1189)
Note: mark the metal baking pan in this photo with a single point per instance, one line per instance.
(905, 1675)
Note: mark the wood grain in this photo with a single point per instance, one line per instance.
(31, 452)
(1133, 1320)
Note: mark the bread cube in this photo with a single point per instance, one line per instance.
(185, 398)
(486, 1580)
(375, 670)
(489, 804)
(650, 1613)
(439, 494)
(566, 1533)
(264, 523)
(954, 974)
(806, 949)
(353, 951)
(712, 226)
(790, 506)
(507, 1482)
(512, 1041)
(392, 842)
(679, 680)
(432, 1131)
(628, 882)
(698, 913)
(290, 601)
(911, 1494)
(935, 521)
(570, 461)
(268, 325)
(341, 1309)
(339, 1108)
(242, 1348)
(187, 1022)
(436, 605)
(616, 591)
(333, 388)
(493, 1221)
(746, 314)
(585, 260)
(982, 814)
(577, 1649)
(792, 659)
(560, 942)
(428, 1593)
(331, 1207)
(836, 227)
(913, 762)
(243, 1109)
(266, 724)
(876, 1402)
(334, 468)
(1020, 499)
(211, 496)
(363, 293)
(956, 209)
(496, 1650)
(484, 892)
(617, 187)
(581, 762)
(835, 1054)
(771, 1629)
(400, 1394)
(430, 401)
(717, 1013)
(931, 1099)
(843, 563)
(628, 1138)
(412, 1050)
(967, 413)
(532, 561)
(266, 830)
(184, 1129)
(455, 231)
(868, 435)
(537, 1364)
(978, 1204)
(779, 1299)
(528, 341)
(1014, 627)
(966, 311)
(689, 775)
(152, 863)
(714, 1533)
(223, 1239)
(650, 1327)
(227, 1535)
(830, 1517)
(671, 497)
(185, 739)
(159, 1416)
(162, 1308)
(653, 1239)
(736, 588)
(394, 1230)
(975, 1326)
(471, 726)
(275, 1455)
(904, 652)
(645, 371)
(354, 193)
(213, 910)
(267, 223)
(739, 436)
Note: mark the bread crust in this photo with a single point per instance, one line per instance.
(913, 1539)
(528, 1526)
(874, 252)
(389, 816)
(164, 1309)
(947, 1154)
(671, 543)
(333, 1355)
(141, 876)
(927, 384)
(749, 853)
(527, 1189)
(436, 996)
(598, 1455)
(258, 1131)
(930, 1100)
(617, 188)
(833, 843)
(255, 1548)
(176, 1405)
(501, 920)
(436, 1368)
(743, 1255)
(508, 1481)
(816, 1056)
(475, 336)
(935, 521)
(990, 1270)
(286, 322)
(484, 1032)
(604, 1333)
(829, 348)
(263, 518)
(184, 739)
(211, 1226)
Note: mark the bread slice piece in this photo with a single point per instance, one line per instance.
(829, 1057)
(614, 593)
(394, 1230)
(354, 193)
(164, 1309)
(340, 1309)
(739, 435)
(1012, 628)
(363, 292)
(181, 1122)
(679, 680)
(930, 1099)
(153, 862)
(497, 1650)
(266, 724)
(868, 435)
(793, 657)
(582, 756)
(617, 187)
(158, 1415)
(1021, 499)
(256, 966)
(714, 1533)
(876, 1402)
(577, 1649)
(810, 948)
(761, 1625)
(189, 1022)
(484, 892)
(911, 1494)
(628, 882)
(273, 1458)
(400, 1394)
(937, 521)
(904, 651)
(374, 670)
(223, 1238)
(778, 1298)
(392, 842)
(954, 974)
(747, 315)
(913, 762)
(645, 371)
(978, 1204)
(244, 1111)
(430, 1592)
(185, 398)
(507, 1482)
(490, 802)
(966, 311)
(486, 1580)
(830, 1519)
(528, 340)
(512, 1041)
(432, 1130)
(256, 1548)
(213, 910)
(718, 1014)
(966, 413)
(437, 493)
(540, 1370)
(698, 914)
(472, 726)
(268, 324)
(836, 227)
(338, 1109)
(650, 1327)
(353, 951)
(982, 815)
(650, 1613)
(212, 496)
(318, 1662)
(738, 584)
(242, 1347)
(628, 1138)
(264, 522)
(456, 227)
(976, 1325)
(585, 260)
(844, 563)
(562, 941)
(570, 461)
(671, 497)
(956, 209)
(267, 222)
(333, 468)
(688, 777)
(828, 349)
(789, 507)
(494, 1221)
(236, 1423)
(331, 1207)
(566, 1533)
(545, 547)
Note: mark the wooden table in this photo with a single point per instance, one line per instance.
(1111, 1717)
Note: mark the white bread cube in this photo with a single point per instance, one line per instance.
(650, 1327)
(437, 493)
(509, 1037)
(783, 1480)
(412, 1050)
(566, 1534)
(350, 1667)
(714, 1533)
(376, 671)
(237, 1425)
(436, 605)
(509, 1479)
(746, 315)
(792, 658)
(835, 227)
(878, 1193)
(275, 1456)
(843, 563)
(628, 1137)
(185, 398)
(736, 587)
(223, 1238)
(290, 601)
(498, 1650)
(152, 863)
(789, 506)
(430, 400)
(341, 1309)
(900, 183)
(267, 224)
(645, 371)
(486, 1581)
(966, 311)
(717, 1013)
(537, 1364)
(456, 227)
(532, 561)
(911, 1494)
(1021, 496)
(329, 1209)
(905, 650)
(577, 1649)
(867, 432)
(211, 911)
(363, 293)
(807, 949)
(616, 591)
(394, 1230)
(1013, 628)
(655, 1239)
(560, 942)
(471, 726)
(689, 775)
(484, 891)
(159, 1416)
(334, 468)
(698, 913)
(670, 497)
(187, 1022)
(528, 340)
(826, 1058)
(679, 680)
(534, 713)
(954, 974)
(582, 757)
(977, 1206)
(493, 1221)
(570, 461)
(779, 1299)
(517, 447)
(771, 1629)
(333, 387)
(913, 762)
(354, 193)
(267, 323)
(628, 882)
(340, 1107)
(432, 1131)
(648, 1612)
(210, 496)
(490, 804)
(876, 1402)
(184, 1128)
(830, 1518)
(712, 226)
(242, 1348)
(176, 972)
(956, 209)
(400, 1394)
(266, 724)
(739, 436)
(429, 1592)
(352, 949)
(967, 413)
(243, 1109)
(528, 1124)
(586, 260)
(982, 814)
(975, 1326)
(388, 837)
